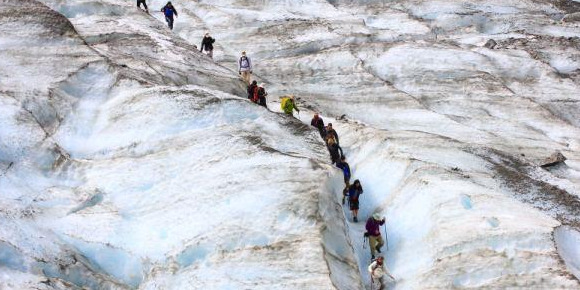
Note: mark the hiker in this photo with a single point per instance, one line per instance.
(139, 2)
(378, 270)
(260, 95)
(354, 192)
(334, 149)
(374, 233)
(319, 124)
(251, 88)
(330, 131)
(346, 173)
(168, 10)
(207, 45)
(288, 105)
(245, 67)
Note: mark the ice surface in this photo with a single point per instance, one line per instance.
(129, 160)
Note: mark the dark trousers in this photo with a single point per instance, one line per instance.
(169, 20)
(139, 2)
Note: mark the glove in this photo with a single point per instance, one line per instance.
(251, 72)
(240, 73)
(366, 235)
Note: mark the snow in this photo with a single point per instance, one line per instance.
(130, 160)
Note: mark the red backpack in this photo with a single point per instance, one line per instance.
(256, 97)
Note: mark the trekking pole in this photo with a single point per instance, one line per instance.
(386, 236)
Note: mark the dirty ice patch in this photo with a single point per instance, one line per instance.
(568, 244)
(115, 262)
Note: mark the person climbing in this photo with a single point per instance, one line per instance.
(245, 67)
(330, 131)
(374, 233)
(139, 2)
(168, 10)
(346, 173)
(207, 45)
(354, 192)
(334, 149)
(288, 105)
(319, 124)
(378, 270)
(251, 89)
(260, 95)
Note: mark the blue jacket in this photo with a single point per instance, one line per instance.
(354, 193)
(169, 10)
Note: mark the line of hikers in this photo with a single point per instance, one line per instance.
(377, 269)
(257, 94)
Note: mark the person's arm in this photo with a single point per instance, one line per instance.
(388, 272)
(202, 44)
(240, 65)
(336, 136)
(340, 149)
(250, 64)
(175, 11)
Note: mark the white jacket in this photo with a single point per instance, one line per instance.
(243, 65)
(379, 271)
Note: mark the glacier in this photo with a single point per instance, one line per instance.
(129, 160)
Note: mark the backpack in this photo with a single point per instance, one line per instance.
(283, 104)
(256, 96)
(244, 62)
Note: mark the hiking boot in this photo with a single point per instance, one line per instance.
(356, 220)
(378, 249)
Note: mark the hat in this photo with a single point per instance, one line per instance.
(377, 216)
(330, 124)
(244, 52)
(261, 85)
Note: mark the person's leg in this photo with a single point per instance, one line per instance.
(246, 77)
(145, 5)
(372, 244)
(210, 54)
(382, 283)
(380, 242)
(171, 23)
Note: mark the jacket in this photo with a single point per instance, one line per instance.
(251, 89)
(377, 270)
(262, 96)
(354, 193)
(373, 226)
(287, 105)
(333, 133)
(244, 64)
(169, 10)
(207, 43)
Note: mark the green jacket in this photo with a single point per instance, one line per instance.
(287, 105)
